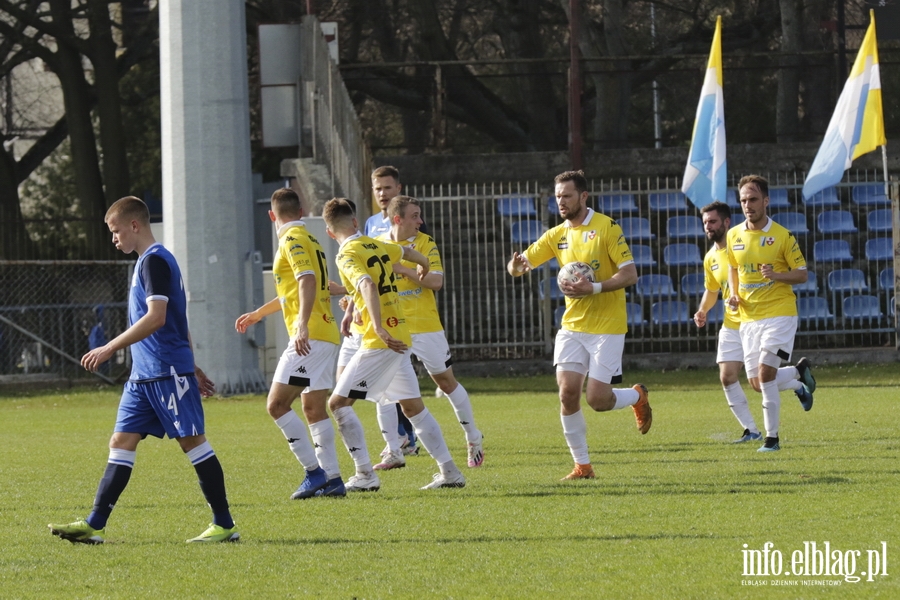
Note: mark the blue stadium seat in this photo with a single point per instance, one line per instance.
(635, 315)
(670, 312)
(612, 205)
(835, 222)
(716, 314)
(684, 227)
(869, 194)
(635, 229)
(552, 206)
(847, 280)
(737, 217)
(526, 231)
(792, 221)
(516, 206)
(880, 249)
(886, 280)
(692, 285)
(558, 315)
(731, 199)
(552, 265)
(655, 285)
(827, 198)
(669, 202)
(814, 308)
(811, 287)
(879, 221)
(862, 308)
(555, 293)
(682, 255)
(643, 256)
(778, 198)
(832, 251)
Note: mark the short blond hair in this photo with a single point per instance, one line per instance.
(397, 207)
(130, 208)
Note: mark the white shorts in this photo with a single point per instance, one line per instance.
(348, 348)
(378, 373)
(729, 348)
(433, 350)
(312, 372)
(597, 355)
(768, 342)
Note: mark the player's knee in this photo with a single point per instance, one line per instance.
(601, 402)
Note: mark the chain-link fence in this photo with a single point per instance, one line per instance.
(53, 312)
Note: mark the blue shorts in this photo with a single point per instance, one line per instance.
(170, 406)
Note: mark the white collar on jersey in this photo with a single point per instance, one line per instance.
(290, 224)
(766, 228)
(587, 219)
(352, 237)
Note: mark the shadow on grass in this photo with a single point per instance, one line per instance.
(484, 539)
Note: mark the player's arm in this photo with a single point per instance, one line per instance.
(141, 329)
(373, 305)
(581, 287)
(432, 281)
(251, 318)
(420, 259)
(734, 300)
(306, 289)
(706, 303)
(792, 277)
(336, 289)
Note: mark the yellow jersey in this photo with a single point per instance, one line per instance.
(419, 303)
(774, 245)
(361, 257)
(599, 242)
(299, 253)
(715, 271)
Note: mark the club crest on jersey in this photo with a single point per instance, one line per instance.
(588, 235)
(767, 241)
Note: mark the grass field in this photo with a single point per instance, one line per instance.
(667, 517)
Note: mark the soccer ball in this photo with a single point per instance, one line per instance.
(568, 272)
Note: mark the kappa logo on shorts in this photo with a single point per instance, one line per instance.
(301, 369)
(362, 384)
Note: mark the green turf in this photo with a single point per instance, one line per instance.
(667, 516)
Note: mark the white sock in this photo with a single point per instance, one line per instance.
(294, 430)
(771, 404)
(354, 437)
(625, 397)
(737, 402)
(388, 420)
(462, 406)
(326, 450)
(787, 378)
(575, 430)
(430, 435)
(200, 453)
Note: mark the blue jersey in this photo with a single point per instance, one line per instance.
(377, 225)
(167, 351)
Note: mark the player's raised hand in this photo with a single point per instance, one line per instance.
(518, 265)
(700, 318)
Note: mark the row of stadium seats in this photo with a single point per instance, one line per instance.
(682, 227)
(624, 203)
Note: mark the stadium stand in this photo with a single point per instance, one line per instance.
(832, 251)
(811, 287)
(835, 222)
(552, 206)
(670, 312)
(636, 229)
(516, 206)
(792, 221)
(684, 227)
(614, 205)
(682, 255)
(778, 198)
(886, 280)
(643, 256)
(716, 314)
(879, 221)
(635, 314)
(869, 195)
(827, 198)
(862, 307)
(558, 315)
(555, 293)
(842, 281)
(526, 231)
(667, 202)
(814, 308)
(655, 285)
(879, 249)
(692, 285)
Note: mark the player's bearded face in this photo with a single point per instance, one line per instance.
(571, 204)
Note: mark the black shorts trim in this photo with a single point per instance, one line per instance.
(301, 382)
(616, 379)
(357, 394)
(784, 355)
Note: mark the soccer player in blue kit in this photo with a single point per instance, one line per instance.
(163, 393)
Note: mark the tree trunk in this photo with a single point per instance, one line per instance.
(788, 95)
(109, 103)
(15, 244)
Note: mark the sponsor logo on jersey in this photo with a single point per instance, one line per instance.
(392, 322)
(715, 267)
(738, 247)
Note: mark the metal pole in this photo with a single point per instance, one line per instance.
(657, 128)
(842, 42)
(575, 141)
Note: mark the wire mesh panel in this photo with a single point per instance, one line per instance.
(53, 312)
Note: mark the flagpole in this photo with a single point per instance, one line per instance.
(887, 191)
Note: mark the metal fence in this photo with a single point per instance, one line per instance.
(846, 235)
(53, 312)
